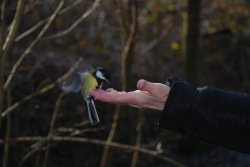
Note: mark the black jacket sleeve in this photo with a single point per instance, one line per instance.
(214, 115)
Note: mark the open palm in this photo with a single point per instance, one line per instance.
(148, 95)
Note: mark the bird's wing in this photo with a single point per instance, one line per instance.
(73, 83)
(89, 83)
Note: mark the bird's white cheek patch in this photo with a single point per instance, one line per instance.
(99, 75)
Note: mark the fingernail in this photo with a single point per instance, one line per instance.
(110, 90)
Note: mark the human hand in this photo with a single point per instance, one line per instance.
(149, 95)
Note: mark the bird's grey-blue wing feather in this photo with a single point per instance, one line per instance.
(73, 83)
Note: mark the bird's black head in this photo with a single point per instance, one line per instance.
(102, 74)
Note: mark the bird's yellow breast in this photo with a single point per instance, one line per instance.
(89, 84)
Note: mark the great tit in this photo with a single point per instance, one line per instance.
(86, 82)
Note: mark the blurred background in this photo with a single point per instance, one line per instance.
(43, 42)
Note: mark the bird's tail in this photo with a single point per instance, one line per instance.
(92, 113)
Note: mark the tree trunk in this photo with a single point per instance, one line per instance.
(191, 40)
(188, 144)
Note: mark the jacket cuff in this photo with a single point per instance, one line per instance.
(176, 111)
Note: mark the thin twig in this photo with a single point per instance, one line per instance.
(2, 65)
(39, 144)
(41, 22)
(33, 4)
(43, 90)
(34, 42)
(156, 41)
(51, 129)
(138, 139)
(110, 136)
(35, 147)
(5, 64)
(56, 110)
(123, 20)
(124, 147)
(139, 119)
(76, 23)
(8, 132)
(14, 27)
(5, 47)
(68, 8)
(32, 29)
(78, 132)
(126, 54)
(75, 132)
(6, 144)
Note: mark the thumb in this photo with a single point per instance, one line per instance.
(153, 88)
(145, 85)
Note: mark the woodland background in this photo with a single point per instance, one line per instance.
(44, 41)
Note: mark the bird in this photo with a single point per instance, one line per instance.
(86, 82)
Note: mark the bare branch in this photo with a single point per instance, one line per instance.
(5, 47)
(35, 147)
(126, 54)
(34, 42)
(41, 144)
(124, 147)
(110, 136)
(138, 138)
(14, 26)
(6, 144)
(76, 23)
(41, 22)
(43, 90)
(125, 69)
(68, 8)
(75, 132)
(156, 41)
(32, 29)
(52, 124)
(33, 4)
(8, 121)
(2, 38)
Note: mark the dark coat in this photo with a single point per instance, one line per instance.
(214, 115)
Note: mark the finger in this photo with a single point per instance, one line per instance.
(112, 97)
(156, 89)
(103, 95)
(145, 85)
